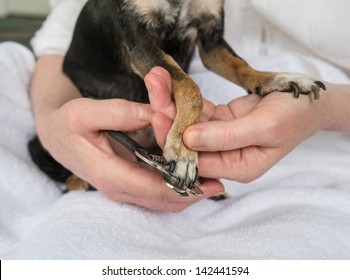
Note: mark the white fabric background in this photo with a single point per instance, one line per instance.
(298, 210)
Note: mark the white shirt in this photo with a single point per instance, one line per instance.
(253, 28)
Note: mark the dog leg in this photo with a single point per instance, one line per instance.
(221, 59)
(182, 162)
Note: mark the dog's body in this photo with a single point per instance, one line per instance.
(117, 42)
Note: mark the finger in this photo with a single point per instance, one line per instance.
(222, 113)
(163, 74)
(211, 187)
(145, 187)
(208, 110)
(106, 171)
(241, 166)
(243, 105)
(222, 135)
(159, 86)
(165, 199)
(114, 114)
(161, 125)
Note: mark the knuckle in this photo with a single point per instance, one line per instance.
(228, 137)
(75, 113)
(221, 113)
(246, 166)
(116, 114)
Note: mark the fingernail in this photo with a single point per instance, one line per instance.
(193, 138)
(218, 194)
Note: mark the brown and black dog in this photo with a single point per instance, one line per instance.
(117, 42)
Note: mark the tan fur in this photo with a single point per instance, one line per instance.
(234, 69)
(75, 183)
(188, 100)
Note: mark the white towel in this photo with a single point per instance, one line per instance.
(299, 210)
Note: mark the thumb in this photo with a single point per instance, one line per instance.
(221, 135)
(159, 86)
(161, 125)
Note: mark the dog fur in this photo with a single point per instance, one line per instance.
(117, 42)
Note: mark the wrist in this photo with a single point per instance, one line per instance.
(336, 108)
(50, 90)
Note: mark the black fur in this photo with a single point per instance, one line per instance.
(46, 163)
(109, 32)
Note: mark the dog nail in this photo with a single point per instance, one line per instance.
(257, 90)
(320, 85)
(295, 89)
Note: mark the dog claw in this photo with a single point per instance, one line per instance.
(258, 91)
(181, 189)
(170, 166)
(320, 85)
(195, 190)
(314, 89)
(295, 89)
(182, 186)
(296, 84)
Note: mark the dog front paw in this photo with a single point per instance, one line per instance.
(290, 82)
(182, 163)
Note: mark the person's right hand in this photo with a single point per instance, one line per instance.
(240, 141)
(248, 136)
(72, 134)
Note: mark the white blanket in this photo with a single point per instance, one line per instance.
(299, 210)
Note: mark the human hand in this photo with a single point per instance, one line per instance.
(74, 138)
(70, 128)
(246, 137)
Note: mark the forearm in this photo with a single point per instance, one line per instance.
(50, 89)
(336, 109)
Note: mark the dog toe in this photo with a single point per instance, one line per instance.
(182, 164)
(295, 83)
(185, 170)
(302, 84)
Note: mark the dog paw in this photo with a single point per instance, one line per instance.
(182, 163)
(289, 82)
